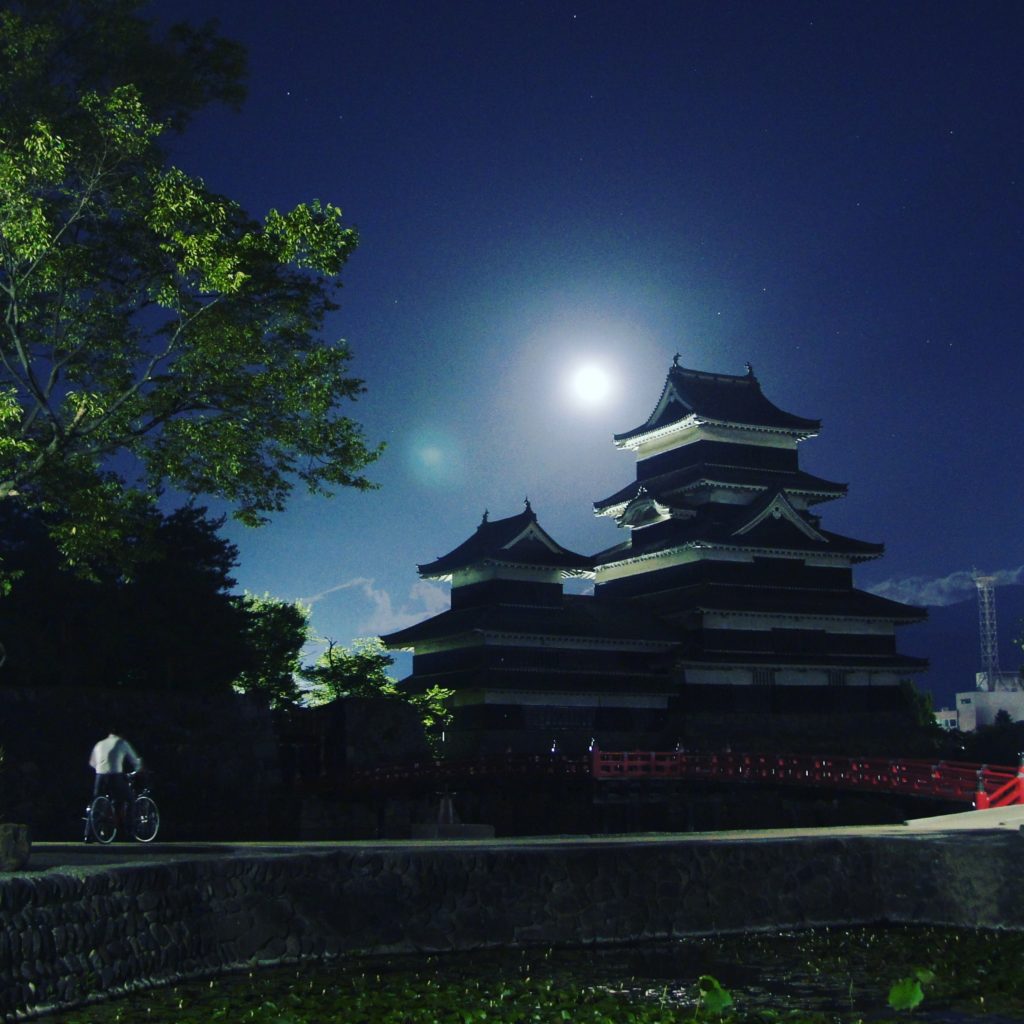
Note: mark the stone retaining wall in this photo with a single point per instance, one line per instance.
(74, 934)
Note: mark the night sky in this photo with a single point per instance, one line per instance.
(830, 191)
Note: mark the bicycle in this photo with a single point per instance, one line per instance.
(104, 815)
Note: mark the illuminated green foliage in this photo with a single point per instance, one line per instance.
(362, 671)
(357, 671)
(152, 333)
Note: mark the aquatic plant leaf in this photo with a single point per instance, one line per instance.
(714, 999)
(906, 994)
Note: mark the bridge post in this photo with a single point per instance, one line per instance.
(980, 796)
(446, 810)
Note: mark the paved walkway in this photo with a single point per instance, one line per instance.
(994, 817)
(49, 856)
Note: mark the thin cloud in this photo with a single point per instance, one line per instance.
(936, 592)
(359, 581)
(424, 599)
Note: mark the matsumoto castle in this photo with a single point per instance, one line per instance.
(726, 614)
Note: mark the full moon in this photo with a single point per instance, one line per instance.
(591, 384)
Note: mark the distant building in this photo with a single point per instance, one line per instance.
(977, 708)
(999, 682)
(726, 608)
(947, 719)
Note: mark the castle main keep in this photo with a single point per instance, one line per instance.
(727, 614)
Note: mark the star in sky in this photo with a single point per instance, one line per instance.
(814, 196)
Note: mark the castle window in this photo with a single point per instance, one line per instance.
(559, 718)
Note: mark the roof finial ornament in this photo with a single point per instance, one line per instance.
(675, 359)
(526, 502)
(484, 520)
(750, 370)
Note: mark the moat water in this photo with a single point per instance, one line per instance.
(828, 975)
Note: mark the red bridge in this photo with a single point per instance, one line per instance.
(980, 786)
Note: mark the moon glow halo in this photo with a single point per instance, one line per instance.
(590, 384)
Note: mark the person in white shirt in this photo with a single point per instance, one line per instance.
(108, 760)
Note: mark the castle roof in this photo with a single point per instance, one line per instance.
(706, 473)
(769, 522)
(517, 540)
(851, 662)
(725, 597)
(553, 684)
(578, 616)
(721, 397)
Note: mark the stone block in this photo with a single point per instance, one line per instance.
(15, 847)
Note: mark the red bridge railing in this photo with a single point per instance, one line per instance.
(504, 766)
(978, 785)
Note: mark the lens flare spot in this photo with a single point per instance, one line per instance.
(431, 455)
(434, 458)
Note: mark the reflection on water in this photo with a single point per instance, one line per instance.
(841, 973)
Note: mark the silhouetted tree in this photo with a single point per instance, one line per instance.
(170, 623)
(1000, 743)
(276, 633)
(924, 734)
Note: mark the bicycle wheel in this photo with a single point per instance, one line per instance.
(102, 819)
(145, 819)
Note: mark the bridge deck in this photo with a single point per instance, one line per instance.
(976, 785)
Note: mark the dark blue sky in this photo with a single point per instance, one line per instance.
(831, 191)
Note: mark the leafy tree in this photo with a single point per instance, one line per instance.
(153, 334)
(925, 736)
(357, 671)
(362, 671)
(276, 633)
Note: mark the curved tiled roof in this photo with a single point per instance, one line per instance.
(850, 662)
(717, 396)
(725, 597)
(664, 484)
(738, 526)
(633, 682)
(518, 539)
(578, 616)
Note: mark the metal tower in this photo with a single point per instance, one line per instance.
(987, 628)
